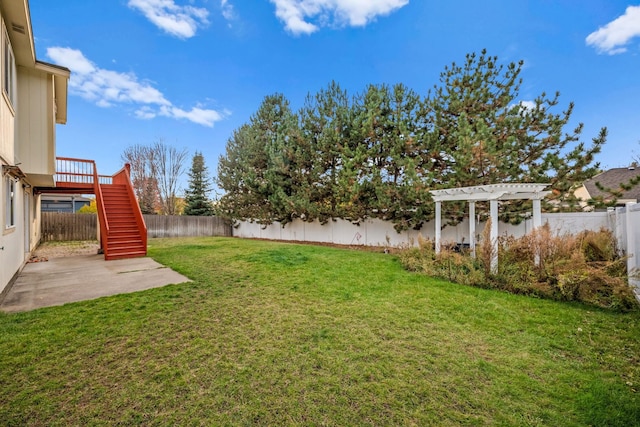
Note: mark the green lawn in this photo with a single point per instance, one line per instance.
(281, 334)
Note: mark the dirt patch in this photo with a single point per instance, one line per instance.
(63, 249)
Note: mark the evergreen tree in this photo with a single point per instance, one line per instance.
(328, 133)
(256, 170)
(393, 187)
(196, 200)
(379, 154)
(480, 133)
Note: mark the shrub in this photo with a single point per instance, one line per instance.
(586, 267)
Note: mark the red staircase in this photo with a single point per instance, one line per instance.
(123, 233)
(124, 238)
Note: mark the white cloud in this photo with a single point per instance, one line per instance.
(145, 113)
(613, 37)
(179, 21)
(109, 88)
(227, 10)
(195, 115)
(356, 13)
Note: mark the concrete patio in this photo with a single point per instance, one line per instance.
(84, 277)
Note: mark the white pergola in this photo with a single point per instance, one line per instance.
(492, 193)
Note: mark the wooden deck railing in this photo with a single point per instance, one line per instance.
(72, 172)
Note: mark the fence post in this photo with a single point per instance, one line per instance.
(632, 248)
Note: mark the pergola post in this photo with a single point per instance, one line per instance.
(537, 213)
(438, 225)
(472, 228)
(493, 235)
(537, 223)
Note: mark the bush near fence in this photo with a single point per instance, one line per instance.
(58, 226)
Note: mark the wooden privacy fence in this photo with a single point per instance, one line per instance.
(58, 226)
(185, 226)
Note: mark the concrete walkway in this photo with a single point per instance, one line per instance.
(84, 277)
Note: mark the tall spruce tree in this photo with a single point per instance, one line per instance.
(196, 201)
(481, 133)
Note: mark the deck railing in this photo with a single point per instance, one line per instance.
(75, 171)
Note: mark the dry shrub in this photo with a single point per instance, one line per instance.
(586, 267)
(414, 259)
(598, 246)
(458, 268)
(486, 251)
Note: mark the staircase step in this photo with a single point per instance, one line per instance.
(123, 255)
(126, 248)
(124, 239)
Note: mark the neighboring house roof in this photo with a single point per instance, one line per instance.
(612, 179)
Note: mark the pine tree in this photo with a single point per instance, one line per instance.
(256, 170)
(393, 187)
(481, 133)
(196, 201)
(327, 131)
(378, 154)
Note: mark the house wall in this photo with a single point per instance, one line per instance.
(7, 153)
(7, 114)
(36, 125)
(12, 239)
(11, 242)
(26, 139)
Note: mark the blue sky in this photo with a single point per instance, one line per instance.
(191, 71)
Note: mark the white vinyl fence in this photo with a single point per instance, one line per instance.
(624, 222)
(627, 230)
(375, 232)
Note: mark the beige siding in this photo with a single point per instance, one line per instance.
(6, 131)
(35, 122)
(7, 115)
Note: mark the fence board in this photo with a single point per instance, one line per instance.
(185, 226)
(59, 226)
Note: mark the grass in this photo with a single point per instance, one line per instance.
(282, 334)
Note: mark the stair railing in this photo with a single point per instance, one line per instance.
(123, 176)
(102, 213)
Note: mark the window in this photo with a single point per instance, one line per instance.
(10, 199)
(8, 71)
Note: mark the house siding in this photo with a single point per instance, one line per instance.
(7, 115)
(35, 124)
(11, 244)
(27, 141)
